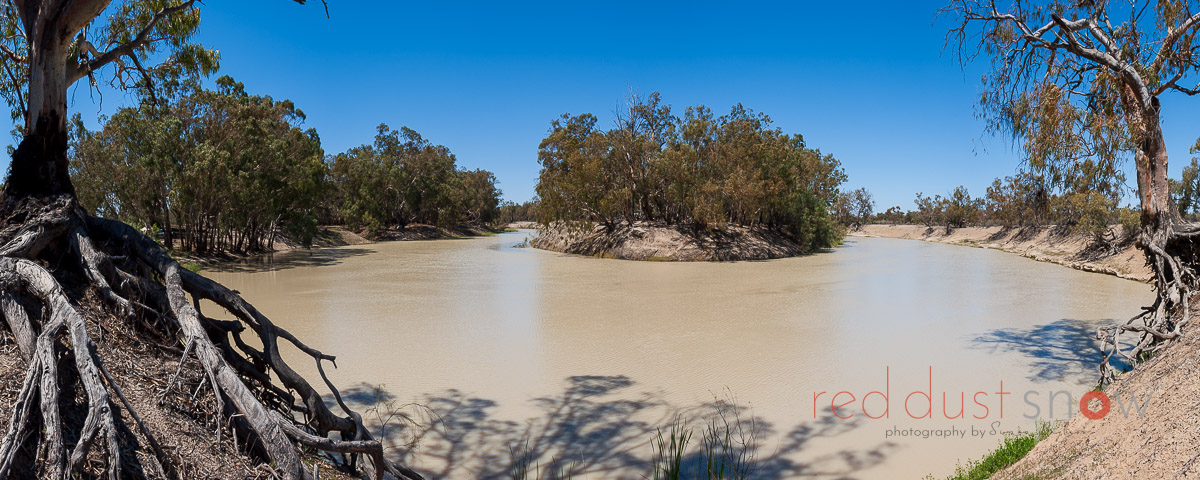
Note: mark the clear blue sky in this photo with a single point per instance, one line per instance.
(865, 81)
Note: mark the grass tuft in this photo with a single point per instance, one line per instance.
(1012, 449)
(192, 266)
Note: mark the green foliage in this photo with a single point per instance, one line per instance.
(726, 448)
(141, 48)
(893, 215)
(192, 266)
(1131, 222)
(1012, 448)
(960, 209)
(518, 212)
(697, 170)
(853, 207)
(210, 170)
(669, 451)
(521, 458)
(1087, 213)
(1086, 202)
(929, 210)
(1186, 193)
(1080, 88)
(1018, 201)
(402, 178)
(954, 211)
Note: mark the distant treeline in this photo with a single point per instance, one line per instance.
(1026, 200)
(403, 179)
(222, 170)
(519, 212)
(699, 170)
(1085, 199)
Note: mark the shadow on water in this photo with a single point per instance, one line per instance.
(1056, 351)
(317, 257)
(597, 427)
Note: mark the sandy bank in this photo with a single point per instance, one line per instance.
(660, 242)
(326, 236)
(417, 231)
(1045, 244)
(338, 236)
(523, 225)
(1161, 442)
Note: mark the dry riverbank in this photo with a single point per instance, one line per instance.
(339, 236)
(1045, 244)
(1157, 442)
(524, 225)
(660, 242)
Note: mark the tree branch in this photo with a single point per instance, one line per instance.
(1169, 41)
(77, 14)
(128, 48)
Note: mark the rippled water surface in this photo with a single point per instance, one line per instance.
(582, 358)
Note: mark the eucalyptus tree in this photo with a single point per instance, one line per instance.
(215, 170)
(854, 208)
(403, 178)
(47, 240)
(699, 170)
(1087, 80)
(1187, 193)
(1018, 201)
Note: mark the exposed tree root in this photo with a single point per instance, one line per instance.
(1172, 250)
(276, 413)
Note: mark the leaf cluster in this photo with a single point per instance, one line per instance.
(696, 170)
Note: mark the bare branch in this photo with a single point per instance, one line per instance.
(13, 56)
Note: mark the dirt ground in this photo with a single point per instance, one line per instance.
(1163, 442)
(1046, 244)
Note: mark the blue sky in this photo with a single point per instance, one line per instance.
(867, 82)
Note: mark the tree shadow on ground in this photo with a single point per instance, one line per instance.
(1056, 351)
(597, 427)
(271, 262)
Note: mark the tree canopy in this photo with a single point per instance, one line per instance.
(139, 41)
(402, 178)
(1079, 83)
(219, 169)
(698, 170)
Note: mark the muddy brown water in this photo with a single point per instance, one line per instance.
(580, 360)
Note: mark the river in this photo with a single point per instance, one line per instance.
(582, 359)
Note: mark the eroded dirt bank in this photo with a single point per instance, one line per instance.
(1045, 244)
(1159, 441)
(339, 236)
(661, 242)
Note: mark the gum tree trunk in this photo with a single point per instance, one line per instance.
(1151, 157)
(39, 165)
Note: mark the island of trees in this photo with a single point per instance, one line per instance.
(696, 187)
